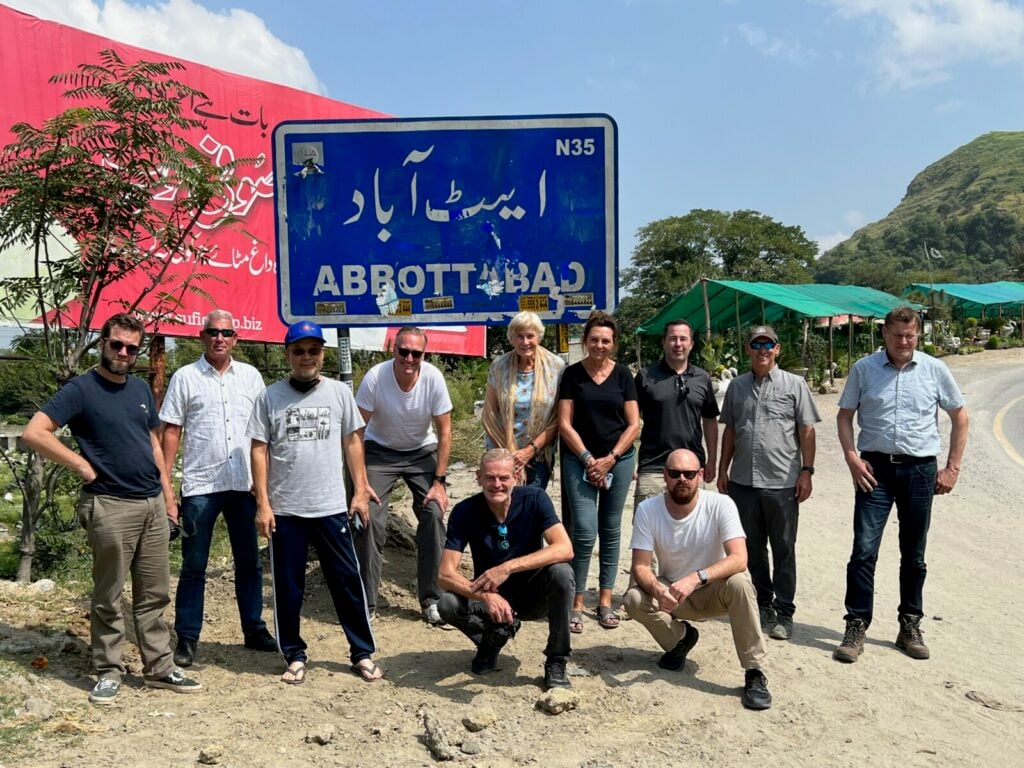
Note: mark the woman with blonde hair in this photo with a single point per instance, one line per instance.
(520, 411)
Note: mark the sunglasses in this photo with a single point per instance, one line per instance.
(762, 345)
(416, 354)
(675, 474)
(213, 333)
(503, 545)
(682, 388)
(117, 346)
(304, 352)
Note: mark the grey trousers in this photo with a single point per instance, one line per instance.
(128, 536)
(384, 468)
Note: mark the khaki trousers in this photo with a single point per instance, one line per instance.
(128, 536)
(734, 596)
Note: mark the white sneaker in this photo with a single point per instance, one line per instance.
(433, 616)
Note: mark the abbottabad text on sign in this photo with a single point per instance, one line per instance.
(447, 220)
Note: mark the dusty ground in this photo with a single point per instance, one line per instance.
(963, 707)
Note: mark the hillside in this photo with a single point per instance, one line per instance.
(969, 206)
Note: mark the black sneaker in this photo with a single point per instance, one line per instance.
(768, 617)
(755, 690)
(261, 640)
(105, 691)
(782, 629)
(494, 639)
(554, 675)
(185, 652)
(176, 681)
(676, 658)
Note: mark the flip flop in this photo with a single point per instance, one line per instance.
(576, 622)
(369, 674)
(297, 670)
(607, 617)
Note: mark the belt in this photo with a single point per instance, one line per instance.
(897, 458)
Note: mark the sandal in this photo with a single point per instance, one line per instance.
(295, 674)
(607, 617)
(576, 622)
(369, 672)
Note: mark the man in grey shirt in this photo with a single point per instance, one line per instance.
(768, 445)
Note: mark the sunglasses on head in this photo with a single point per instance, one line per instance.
(227, 333)
(117, 346)
(762, 345)
(503, 545)
(406, 352)
(675, 474)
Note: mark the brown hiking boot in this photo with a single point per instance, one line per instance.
(910, 640)
(853, 641)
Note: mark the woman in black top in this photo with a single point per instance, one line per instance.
(598, 420)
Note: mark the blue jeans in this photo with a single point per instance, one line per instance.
(594, 512)
(910, 487)
(538, 474)
(197, 519)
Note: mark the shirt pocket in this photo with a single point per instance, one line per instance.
(781, 408)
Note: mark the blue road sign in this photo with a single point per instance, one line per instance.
(446, 220)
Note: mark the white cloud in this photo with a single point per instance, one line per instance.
(775, 47)
(922, 40)
(234, 40)
(827, 242)
(853, 218)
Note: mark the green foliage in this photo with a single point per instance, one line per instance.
(994, 342)
(968, 206)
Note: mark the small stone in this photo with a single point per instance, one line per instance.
(477, 721)
(39, 708)
(44, 585)
(558, 700)
(436, 739)
(471, 747)
(321, 734)
(211, 754)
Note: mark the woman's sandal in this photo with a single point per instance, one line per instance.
(607, 617)
(295, 674)
(576, 622)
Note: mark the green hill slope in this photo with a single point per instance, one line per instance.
(969, 206)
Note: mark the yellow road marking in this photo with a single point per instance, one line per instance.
(997, 430)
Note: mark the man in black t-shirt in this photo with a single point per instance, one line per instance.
(515, 576)
(123, 505)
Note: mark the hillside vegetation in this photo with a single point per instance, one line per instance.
(969, 206)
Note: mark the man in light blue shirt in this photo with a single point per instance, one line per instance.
(896, 394)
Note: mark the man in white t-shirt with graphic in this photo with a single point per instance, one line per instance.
(701, 550)
(408, 415)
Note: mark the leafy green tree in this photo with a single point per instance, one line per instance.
(93, 170)
(673, 253)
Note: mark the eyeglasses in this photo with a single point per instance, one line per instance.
(310, 352)
(416, 354)
(504, 544)
(762, 345)
(675, 474)
(213, 333)
(117, 346)
(682, 388)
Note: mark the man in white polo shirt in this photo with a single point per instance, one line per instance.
(408, 416)
(210, 401)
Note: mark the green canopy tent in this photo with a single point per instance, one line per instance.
(979, 300)
(714, 305)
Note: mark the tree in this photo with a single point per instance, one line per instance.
(94, 170)
(673, 253)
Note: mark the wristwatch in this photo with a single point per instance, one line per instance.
(808, 470)
(703, 576)
(442, 479)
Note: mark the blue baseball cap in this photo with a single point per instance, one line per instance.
(304, 330)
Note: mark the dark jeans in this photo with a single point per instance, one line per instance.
(197, 520)
(533, 595)
(384, 468)
(911, 487)
(538, 474)
(770, 516)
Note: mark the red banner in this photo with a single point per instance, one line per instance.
(239, 114)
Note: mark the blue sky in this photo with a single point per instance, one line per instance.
(815, 112)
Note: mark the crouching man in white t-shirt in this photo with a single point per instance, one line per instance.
(702, 572)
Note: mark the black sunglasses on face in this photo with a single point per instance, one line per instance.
(406, 352)
(689, 474)
(762, 345)
(504, 544)
(117, 346)
(227, 333)
(311, 352)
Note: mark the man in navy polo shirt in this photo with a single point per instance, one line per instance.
(514, 575)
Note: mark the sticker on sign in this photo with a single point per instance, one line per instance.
(446, 220)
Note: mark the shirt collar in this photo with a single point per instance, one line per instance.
(205, 366)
